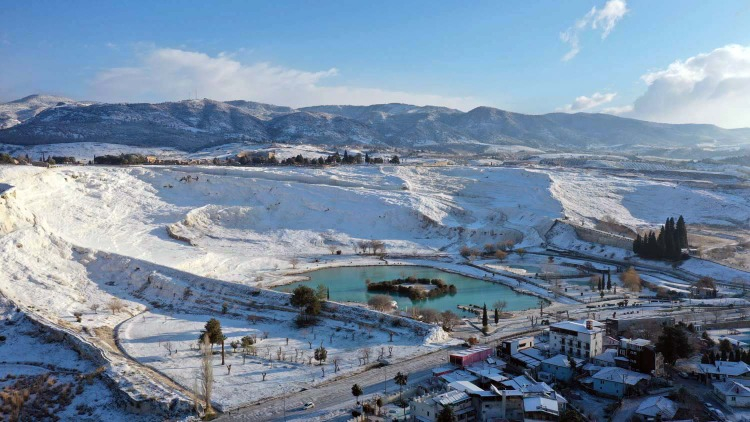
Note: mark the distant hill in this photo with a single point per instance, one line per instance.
(194, 124)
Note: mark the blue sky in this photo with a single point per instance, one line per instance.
(504, 54)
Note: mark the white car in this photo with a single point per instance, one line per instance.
(308, 405)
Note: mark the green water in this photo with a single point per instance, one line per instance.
(347, 284)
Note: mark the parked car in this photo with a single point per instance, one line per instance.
(683, 374)
(308, 405)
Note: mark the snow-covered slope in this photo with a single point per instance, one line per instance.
(16, 112)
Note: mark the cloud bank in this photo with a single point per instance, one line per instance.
(584, 103)
(604, 20)
(711, 87)
(166, 74)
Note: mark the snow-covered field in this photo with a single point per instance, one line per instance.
(73, 237)
(286, 356)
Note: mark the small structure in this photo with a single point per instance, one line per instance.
(558, 368)
(470, 356)
(510, 347)
(605, 359)
(618, 382)
(617, 326)
(735, 393)
(655, 408)
(640, 355)
(427, 408)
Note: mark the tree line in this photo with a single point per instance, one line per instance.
(667, 244)
(299, 159)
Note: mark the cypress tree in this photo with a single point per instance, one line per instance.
(485, 320)
(682, 233)
(637, 245)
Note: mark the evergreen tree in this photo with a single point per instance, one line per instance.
(497, 316)
(682, 239)
(485, 320)
(367, 158)
(673, 344)
(446, 414)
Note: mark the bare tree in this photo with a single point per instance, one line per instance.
(631, 280)
(168, 345)
(206, 374)
(380, 302)
(94, 307)
(294, 262)
(449, 320)
(363, 245)
(332, 249)
(500, 305)
(115, 305)
(336, 362)
(501, 255)
(429, 315)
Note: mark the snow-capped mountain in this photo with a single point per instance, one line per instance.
(18, 111)
(194, 124)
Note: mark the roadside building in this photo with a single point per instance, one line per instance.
(470, 356)
(581, 339)
(427, 408)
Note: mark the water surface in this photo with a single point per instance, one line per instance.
(347, 284)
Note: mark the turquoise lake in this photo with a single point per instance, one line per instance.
(347, 284)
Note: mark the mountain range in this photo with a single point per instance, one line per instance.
(195, 124)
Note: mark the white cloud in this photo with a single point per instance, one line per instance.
(618, 110)
(711, 87)
(173, 74)
(584, 103)
(603, 19)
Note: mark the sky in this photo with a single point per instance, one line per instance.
(668, 61)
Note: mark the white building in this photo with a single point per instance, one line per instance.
(581, 339)
(734, 393)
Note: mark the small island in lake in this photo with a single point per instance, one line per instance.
(415, 288)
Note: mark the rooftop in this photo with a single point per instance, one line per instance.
(739, 388)
(471, 351)
(620, 375)
(562, 360)
(578, 326)
(732, 369)
(654, 406)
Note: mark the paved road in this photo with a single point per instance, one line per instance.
(337, 394)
